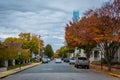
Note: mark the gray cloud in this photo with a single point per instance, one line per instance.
(45, 17)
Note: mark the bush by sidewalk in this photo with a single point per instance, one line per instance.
(96, 62)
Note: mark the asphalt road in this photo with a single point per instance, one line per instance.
(58, 71)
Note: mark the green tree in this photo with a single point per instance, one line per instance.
(48, 51)
(24, 42)
(32, 43)
(63, 52)
(25, 36)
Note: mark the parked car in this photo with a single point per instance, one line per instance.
(82, 61)
(72, 61)
(66, 60)
(58, 60)
(45, 60)
(48, 59)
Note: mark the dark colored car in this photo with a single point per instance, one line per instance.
(45, 60)
(66, 60)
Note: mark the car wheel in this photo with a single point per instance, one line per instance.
(75, 65)
(88, 67)
(82, 67)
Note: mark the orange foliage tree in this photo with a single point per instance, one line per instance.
(97, 27)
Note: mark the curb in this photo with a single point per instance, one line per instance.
(115, 75)
(104, 72)
(10, 72)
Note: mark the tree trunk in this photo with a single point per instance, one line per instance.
(109, 66)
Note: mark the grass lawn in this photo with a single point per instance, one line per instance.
(17, 66)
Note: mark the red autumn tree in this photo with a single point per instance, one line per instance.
(97, 27)
(71, 36)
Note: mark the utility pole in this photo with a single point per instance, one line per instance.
(19, 55)
(39, 46)
(101, 62)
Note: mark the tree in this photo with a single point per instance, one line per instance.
(48, 51)
(30, 42)
(109, 30)
(80, 35)
(24, 42)
(71, 36)
(63, 51)
(25, 36)
(97, 27)
(10, 53)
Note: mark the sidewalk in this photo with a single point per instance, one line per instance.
(13, 71)
(115, 72)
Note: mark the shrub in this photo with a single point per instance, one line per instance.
(96, 62)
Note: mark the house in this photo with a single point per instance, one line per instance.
(117, 56)
(80, 52)
(96, 55)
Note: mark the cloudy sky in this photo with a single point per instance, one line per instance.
(41, 17)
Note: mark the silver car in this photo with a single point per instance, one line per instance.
(82, 61)
(72, 61)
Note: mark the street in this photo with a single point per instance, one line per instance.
(57, 71)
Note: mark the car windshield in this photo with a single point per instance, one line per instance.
(82, 58)
(72, 59)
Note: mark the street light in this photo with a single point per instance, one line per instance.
(43, 53)
(19, 54)
(39, 51)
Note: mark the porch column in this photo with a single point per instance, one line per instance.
(6, 63)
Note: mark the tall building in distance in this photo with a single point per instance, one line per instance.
(76, 16)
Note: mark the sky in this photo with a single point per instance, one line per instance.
(47, 18)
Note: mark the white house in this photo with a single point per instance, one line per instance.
(97, 54)
(80, 52)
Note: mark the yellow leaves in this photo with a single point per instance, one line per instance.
(8, 54)
(25, 53)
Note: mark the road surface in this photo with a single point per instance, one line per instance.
(57, 71)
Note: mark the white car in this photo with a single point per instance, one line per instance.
(58, 60)
(72, 61)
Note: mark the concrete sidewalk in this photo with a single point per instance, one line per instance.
(13, 71)
(115, 72)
